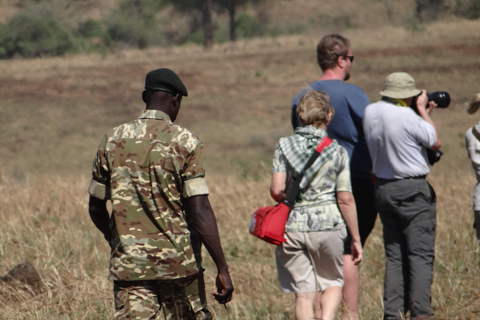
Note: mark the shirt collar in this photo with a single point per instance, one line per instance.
(310, 132)
(154, 114)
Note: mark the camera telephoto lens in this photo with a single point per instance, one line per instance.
(441, 98)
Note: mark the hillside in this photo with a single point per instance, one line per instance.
(352, 13)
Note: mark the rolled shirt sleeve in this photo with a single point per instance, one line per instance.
(100, 184)
(195, 187)
(343, 178)
(193, 175)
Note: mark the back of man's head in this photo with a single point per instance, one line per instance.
(166, 80)
(330, 48)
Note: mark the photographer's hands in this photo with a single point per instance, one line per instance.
(424, 108)
(423, 104)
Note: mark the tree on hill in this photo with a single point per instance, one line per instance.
(133, 22)
(231, 7)
(427, 10)
(205, 8)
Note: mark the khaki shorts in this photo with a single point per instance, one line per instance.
(311, 261)
(168, 299)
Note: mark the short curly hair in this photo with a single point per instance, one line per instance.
(313, 108)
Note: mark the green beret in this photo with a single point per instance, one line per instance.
(165, 80)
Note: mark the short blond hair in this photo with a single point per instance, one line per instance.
(314, 108)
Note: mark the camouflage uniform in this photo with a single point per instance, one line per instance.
(145, 167)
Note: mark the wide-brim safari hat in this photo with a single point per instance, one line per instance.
(400, 85)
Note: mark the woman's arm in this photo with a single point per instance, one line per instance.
(346, 203)
(277, 187)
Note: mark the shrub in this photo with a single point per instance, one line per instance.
(90, 29)
(131, 33)
(5, 41)
(93, 36)
(469, 9)
(31, 36)
(195, 37)
(133, 23)
(247, 26)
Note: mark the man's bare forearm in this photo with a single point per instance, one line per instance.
(99, 214)
(204, 222)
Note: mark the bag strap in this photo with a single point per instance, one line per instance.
(294, 188)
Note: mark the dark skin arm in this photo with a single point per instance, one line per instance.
(100, 216)
(203, 220)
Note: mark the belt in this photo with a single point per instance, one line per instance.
(406, 178)
(148, 283)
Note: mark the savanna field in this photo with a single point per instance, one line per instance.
(54, 111)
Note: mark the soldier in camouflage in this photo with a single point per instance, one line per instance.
(152, 172)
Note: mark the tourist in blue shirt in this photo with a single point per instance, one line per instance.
(335, 58)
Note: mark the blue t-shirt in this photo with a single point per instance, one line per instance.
(349, 102)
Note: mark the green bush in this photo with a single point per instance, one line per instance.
(195, 37)
(5, 41)
(93, 36)
(247, 26)
(90, 29)
(469, 9)
(28, 35)
(133, 23)
(132, 34)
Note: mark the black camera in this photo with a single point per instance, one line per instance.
(441, 98)
(434, 156)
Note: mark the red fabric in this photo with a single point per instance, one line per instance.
(268, 223)
(324, 143)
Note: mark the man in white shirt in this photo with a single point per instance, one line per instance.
(398, 131)
(472, 142)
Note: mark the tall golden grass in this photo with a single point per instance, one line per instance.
(54, 112)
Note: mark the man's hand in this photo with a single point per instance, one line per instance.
(424, 104)
(422, 101)
(357, 252)
(224, 288)
(423, 111)
(203, 220)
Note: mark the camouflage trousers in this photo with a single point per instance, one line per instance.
(161, 299)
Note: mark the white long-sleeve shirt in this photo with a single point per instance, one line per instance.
(473, 148)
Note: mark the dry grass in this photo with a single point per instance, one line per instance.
(54, 111)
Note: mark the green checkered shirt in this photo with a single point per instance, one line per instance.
(316, 208)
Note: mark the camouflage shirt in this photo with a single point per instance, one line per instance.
(145, 167)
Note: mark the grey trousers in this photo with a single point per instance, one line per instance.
(407, 210)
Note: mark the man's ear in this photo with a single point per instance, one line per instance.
(144, 96)
(174, 102)
(341, 62)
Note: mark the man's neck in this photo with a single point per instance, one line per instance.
(331, 74)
